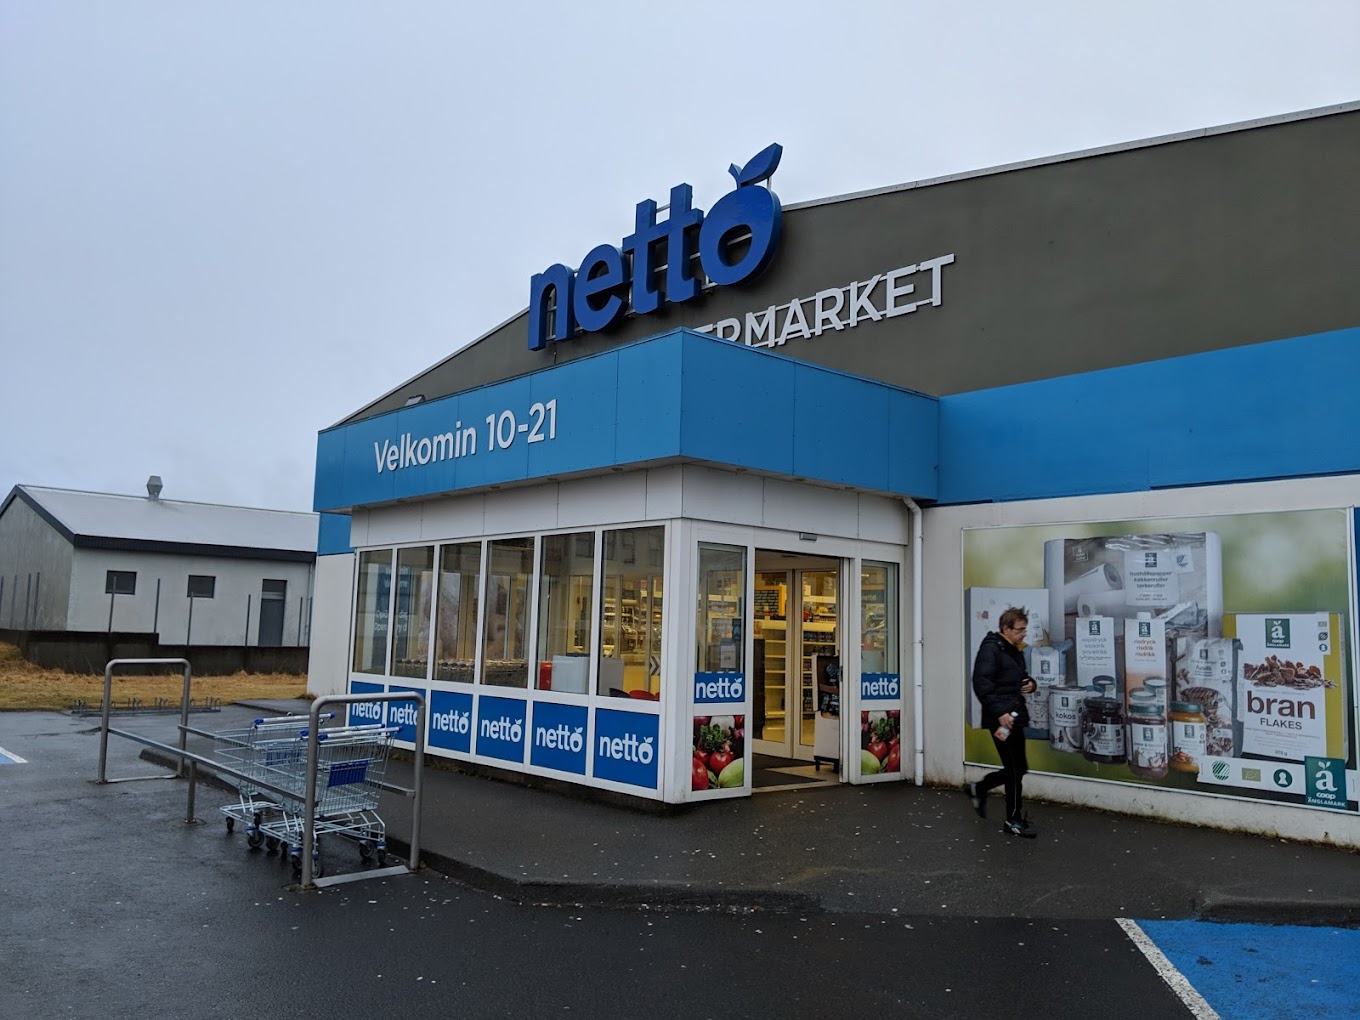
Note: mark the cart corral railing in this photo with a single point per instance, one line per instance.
(183, 755)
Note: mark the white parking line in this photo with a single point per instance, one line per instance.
(1194, 1002)
(10, 758)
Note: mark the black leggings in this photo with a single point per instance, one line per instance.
(1013, 768)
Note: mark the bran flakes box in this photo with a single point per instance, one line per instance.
(1291, 701)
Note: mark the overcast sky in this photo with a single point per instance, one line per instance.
(226, 226)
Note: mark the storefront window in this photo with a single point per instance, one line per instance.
(722, 580)
(510, 564)
(878, 617)
(565, 611)
(630, 613)
(371, 611)
(415, 595)
(460, 575)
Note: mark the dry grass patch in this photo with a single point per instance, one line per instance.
(26, 686)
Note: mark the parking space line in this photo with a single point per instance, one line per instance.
(1168, 972)
(10, 758)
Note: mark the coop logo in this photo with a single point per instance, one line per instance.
(500, 728)
(612, 279)
(711, 688)
(559, 737)
(879, 686)
(626, 748)
(451, 721)
(1277, 632)
(365, 713)
(1326, 782)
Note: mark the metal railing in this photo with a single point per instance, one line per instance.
(182, 755)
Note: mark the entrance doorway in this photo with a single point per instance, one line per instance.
(796, 639)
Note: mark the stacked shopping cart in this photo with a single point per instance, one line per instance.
(272, 756)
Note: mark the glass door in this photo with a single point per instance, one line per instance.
(795, 666)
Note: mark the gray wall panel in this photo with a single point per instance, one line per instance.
(1084, 263)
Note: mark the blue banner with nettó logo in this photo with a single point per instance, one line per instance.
(366, 713)
(402, 714)
(558, 737)
(450, 724)
(500, 728)
(719, 688)
(880, 686)
(625, 747)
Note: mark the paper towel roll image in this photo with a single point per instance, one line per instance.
(1101, 579)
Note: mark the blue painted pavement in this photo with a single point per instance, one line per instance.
(1258, 970)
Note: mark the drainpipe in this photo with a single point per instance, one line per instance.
(917, 655)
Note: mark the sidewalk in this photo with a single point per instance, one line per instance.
(884, 849)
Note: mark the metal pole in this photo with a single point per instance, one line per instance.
(112, 596)
(156, 614)
(246, 640)
(301, 601)
(309, 812)
(189, 634)
(37, 599)
(28, 596)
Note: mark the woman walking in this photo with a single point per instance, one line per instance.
(1000, 682)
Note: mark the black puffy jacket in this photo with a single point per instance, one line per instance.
(998, 675)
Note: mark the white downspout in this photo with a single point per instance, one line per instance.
(917, 648)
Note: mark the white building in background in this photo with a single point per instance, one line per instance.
(191, 573)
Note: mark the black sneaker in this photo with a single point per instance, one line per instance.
(979, 800)
(1020, 828)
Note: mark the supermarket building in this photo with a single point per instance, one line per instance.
(732, 502)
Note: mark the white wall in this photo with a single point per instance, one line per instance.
(946, 672)
(220, 620)
(328, 657)
(693, 491)
(35, 565)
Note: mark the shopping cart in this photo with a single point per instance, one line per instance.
(350, 764)
(257, 751)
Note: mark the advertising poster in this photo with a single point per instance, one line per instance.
(1206, 654)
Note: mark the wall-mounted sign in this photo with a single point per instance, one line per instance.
(611, 279)
(451, 721)
(626, 747)
(500, 728)
(884, 295)
(365, 713)
(558, 737)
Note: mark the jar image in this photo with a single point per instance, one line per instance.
(1187, 736)
(1105, 684)
(1157, 685)
(1064, 718)
(1104, 731)
(1147, 740)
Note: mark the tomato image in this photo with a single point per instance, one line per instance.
(700, 775)
(701, 757)
(719, 760)
(877, 748)
(893, 763)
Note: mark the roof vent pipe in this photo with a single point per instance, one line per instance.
(153, 487)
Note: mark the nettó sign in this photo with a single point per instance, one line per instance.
(593, 297)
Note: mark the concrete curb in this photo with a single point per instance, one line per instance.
(629, 896)
(1263, 910)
